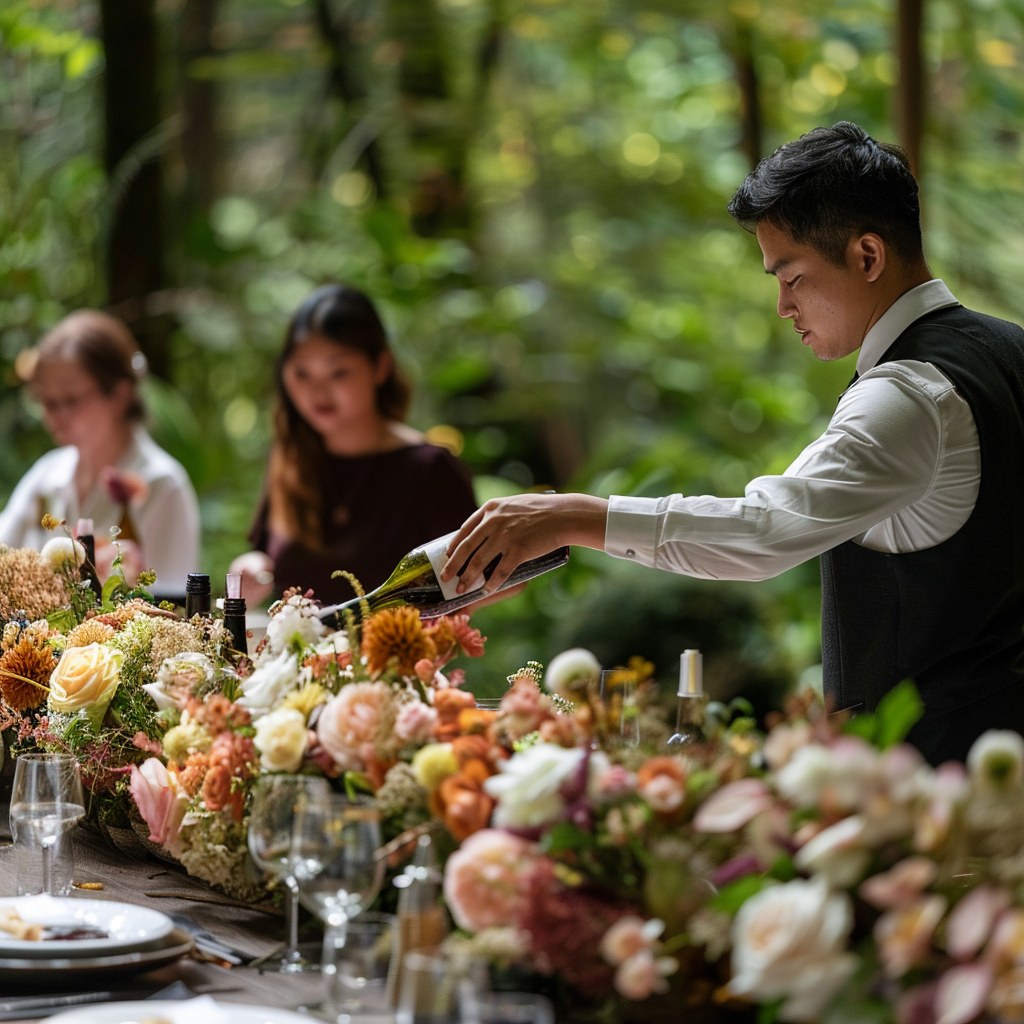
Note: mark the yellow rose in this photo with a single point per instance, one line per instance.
(281, 740)
(85, 677)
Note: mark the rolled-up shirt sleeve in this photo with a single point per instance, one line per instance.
(879, 454)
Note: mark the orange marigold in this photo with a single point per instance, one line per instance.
(25, 674)
(396, 633)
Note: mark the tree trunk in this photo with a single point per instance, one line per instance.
(132, 108)
(750, 95)
(200, 144)
(910, 86)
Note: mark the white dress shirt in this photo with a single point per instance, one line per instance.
(166, 520)
(897, 470)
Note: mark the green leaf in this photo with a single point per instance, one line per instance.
(567, 836)
(110, 588)
(861, 725)
(783, 869)
(732, 896)
(63, 619)
(356, 784)
(898, 711)
(768, 1013)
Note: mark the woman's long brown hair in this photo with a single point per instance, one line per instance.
(297, 457)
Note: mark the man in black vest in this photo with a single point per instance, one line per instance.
(914, 495)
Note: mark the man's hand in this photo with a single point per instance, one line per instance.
(519, 528)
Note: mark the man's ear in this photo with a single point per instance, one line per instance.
(383, 369)
(869, 255)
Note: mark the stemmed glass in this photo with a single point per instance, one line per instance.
(46, 801)
(278, 801)
(619, 697)
(336, 840)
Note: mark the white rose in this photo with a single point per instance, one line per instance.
(846, 771)
(805, 775)
(571, 666)
(789, 942)
(281, 740)
(837, 853)
(269, 684)
(527, 787)
(294, 621)
(58, 551)
(179, 676)
(996, 760)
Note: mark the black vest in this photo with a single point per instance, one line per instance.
(950, 617)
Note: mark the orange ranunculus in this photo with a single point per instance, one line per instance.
(466, 807)
(217, 787)
(448, 704)
(475, 720)
(662, 783)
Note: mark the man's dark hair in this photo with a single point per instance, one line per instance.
(831, 185)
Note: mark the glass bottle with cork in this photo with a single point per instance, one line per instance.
(197, 594)
(692, 702)
(234, 615)
(85, 536)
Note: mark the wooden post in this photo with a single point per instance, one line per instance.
(750, 96)
(200, 143)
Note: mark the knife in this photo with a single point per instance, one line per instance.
(30, 1007)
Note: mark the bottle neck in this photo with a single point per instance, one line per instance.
(690, 711)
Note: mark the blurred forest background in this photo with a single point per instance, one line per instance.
(534, 191)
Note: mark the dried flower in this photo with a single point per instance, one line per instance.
(89, 632)
(63, 553)
(28, 585)
(396, 633)
(25, 672)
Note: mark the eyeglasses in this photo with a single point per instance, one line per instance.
(66, 404)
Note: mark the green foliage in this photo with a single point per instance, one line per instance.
(895, 716)
(732, 896)
(534, 193)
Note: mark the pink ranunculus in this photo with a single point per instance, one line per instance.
(161, 802)
(972, 920)
(962, 992)
(629, 935)
(643, 974)
(415, 722)
(904, 936)
(350, 724)
(733, 806)
(900, 885)
(484, 879)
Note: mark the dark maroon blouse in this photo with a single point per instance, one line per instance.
(376, 509)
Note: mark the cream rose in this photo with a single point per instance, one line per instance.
(789, 942)
(281, 738)
(85, 677)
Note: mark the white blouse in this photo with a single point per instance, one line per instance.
(166, 520)
(897, 470)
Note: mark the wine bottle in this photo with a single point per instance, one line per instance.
(85, 536)
(690, 713)
(417, 581)
(197, 594)
(234, 615)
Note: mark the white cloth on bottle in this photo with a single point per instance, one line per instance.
(166, 520)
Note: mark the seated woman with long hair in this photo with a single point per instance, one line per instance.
(108, 469)
(349, 485)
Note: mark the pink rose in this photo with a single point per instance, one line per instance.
(351, 724)
(416, 722)
(900, 885)
(161, 802)
(733, 806)
(643, 973)
(484, 879)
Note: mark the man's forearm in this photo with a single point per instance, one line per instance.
(582, 520)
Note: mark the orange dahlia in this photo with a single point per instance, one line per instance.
(396, 633)
(452, 634)
(25, 675)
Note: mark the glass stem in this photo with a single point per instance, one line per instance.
(292, 919)
(47, 862)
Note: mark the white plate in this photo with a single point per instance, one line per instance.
(127, 926)
(203, 1010)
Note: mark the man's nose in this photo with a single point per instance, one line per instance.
(786, 308)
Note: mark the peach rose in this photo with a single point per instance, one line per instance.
(351, 724)
(483, 879)
(662, 783)
(85, 677)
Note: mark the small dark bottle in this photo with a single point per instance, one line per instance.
(85, 537)
(197, 594)
(690, 715)
(234, 615)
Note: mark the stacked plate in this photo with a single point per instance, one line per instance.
(203, 1010)
(86, 937)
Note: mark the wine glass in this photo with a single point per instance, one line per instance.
(619, 697)
(46, 801)
(277, 802)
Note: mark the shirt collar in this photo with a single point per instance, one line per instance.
(910, 306)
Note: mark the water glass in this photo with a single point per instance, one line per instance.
(434, 986)
(506, 1008)
(278, 801)
(355, 967)
(46, 801)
